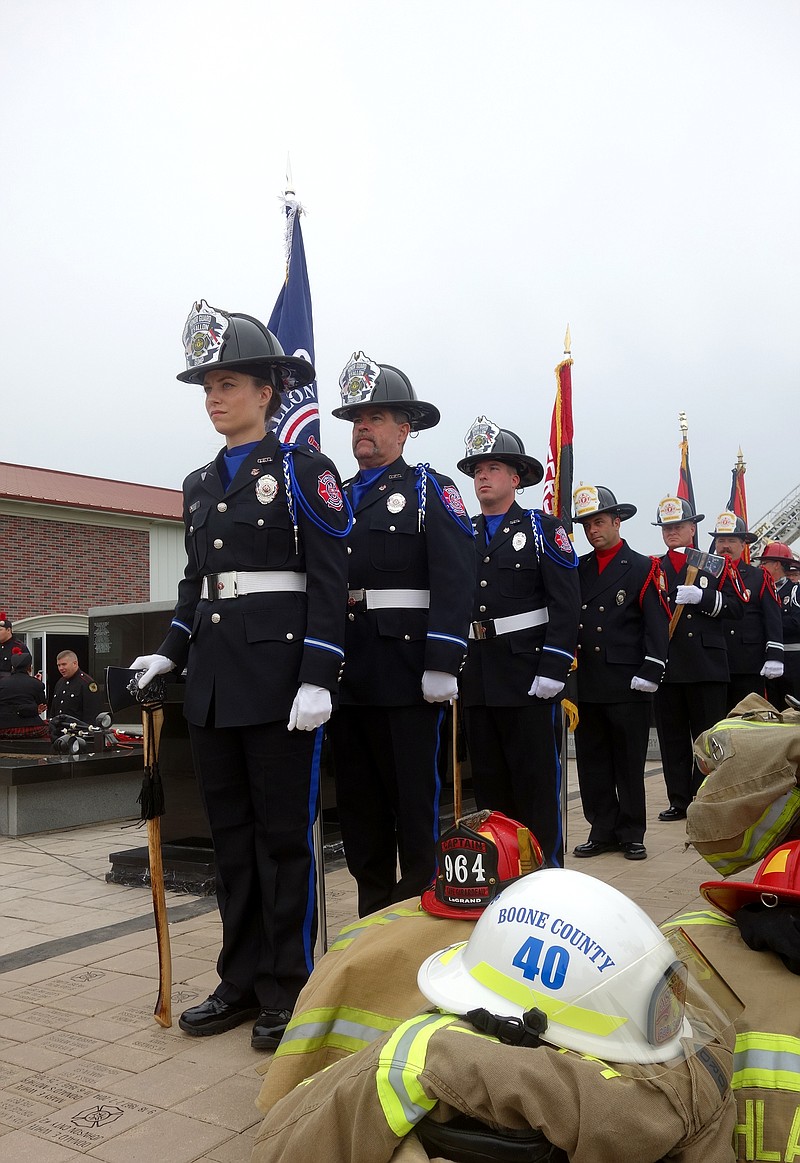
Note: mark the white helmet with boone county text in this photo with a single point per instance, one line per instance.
(608, 981)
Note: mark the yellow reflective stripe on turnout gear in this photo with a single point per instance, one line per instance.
(761, 837)
(700, 917)
(767, 1060)
(576, 1017)
(349, 933)
(402, 1097)
(344, 1027)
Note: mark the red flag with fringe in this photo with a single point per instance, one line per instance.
(557, 497)
(737, 503)
(685, 486)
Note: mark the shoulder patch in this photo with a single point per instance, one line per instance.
(561, 538)
(329, 491)
(453, 501)
(93, 687)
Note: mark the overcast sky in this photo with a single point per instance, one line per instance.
(476, 177)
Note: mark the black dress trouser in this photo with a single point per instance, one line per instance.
(260, 787)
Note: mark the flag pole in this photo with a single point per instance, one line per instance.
(565, 717)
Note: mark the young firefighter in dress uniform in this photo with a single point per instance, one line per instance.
(622, 653)
(522, 639)
(566, 1019)
(259, 625)
(411, 580)
(754, 642)
(693, 694)
(784, 569)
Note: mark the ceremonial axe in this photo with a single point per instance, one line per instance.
(122, 690)
(713, 563)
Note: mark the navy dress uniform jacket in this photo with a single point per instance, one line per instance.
(757, 637)
(516, 577)
(789, 598)
(624, 628)
(697, 651)
(250, 653)
(78, 696)
(388, 650)
(13, 646)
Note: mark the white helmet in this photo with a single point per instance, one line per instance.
(607, 979)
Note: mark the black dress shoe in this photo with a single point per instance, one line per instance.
(595, 848)
(634, 851)
(672, 813)
(269, 1029)
(215, 1016)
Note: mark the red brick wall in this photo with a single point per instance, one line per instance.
(55, 567)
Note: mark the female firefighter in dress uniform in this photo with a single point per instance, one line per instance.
(259, 625)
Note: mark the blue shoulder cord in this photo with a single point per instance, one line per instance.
(293, 490)
(423, 475)
(542, 545)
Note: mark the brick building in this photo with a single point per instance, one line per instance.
(70, 542)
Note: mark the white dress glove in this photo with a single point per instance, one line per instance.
(152, 665)
(688, 596)
(643, 684)
(545, 688)
(438, 686)
(311, 708)
(772, 670)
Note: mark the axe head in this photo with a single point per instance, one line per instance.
(122, 689)
(713, 563)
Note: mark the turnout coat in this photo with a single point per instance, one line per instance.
(697, 650)
(249, 654)
(364, 1109)
(519, 572)
(393, 547)
(624, 627)
(757, 637)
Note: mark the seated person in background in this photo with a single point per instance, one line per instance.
(22, 698)
(76, 693)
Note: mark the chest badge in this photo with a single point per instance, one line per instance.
(620, 598)
(396, 503)
(266, 489)
(519, 541)
(703, 583)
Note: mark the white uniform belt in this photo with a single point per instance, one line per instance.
(491, 627)
(791, 646)
(390, 599)
(234, 583)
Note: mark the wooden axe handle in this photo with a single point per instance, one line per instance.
(163, 1007)
(691, 574)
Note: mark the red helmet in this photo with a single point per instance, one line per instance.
(776, 882)
(777, 551)
(475, 859)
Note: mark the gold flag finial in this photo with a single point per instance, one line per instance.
(567, 342)
(740, 462)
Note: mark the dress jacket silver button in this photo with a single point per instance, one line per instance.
(222, 507)
(218, 543)
(215, 618)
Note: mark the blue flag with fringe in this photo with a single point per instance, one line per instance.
(291, 321)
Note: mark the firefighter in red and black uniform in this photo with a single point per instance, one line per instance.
(694, 692)
(622, 654)
(9, 645)
(784, 569)
(754, 642)
(411, 578)
(522, 639)
(76, 693)
(259, 625)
